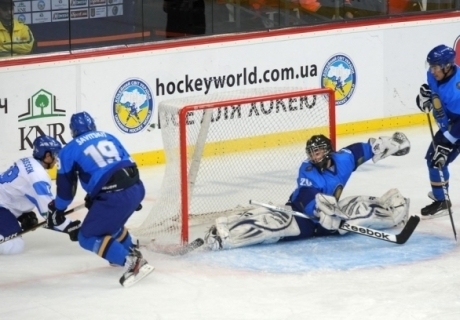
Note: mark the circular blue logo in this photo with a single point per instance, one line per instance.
(339, 75)
(133, 106)
(21, 18)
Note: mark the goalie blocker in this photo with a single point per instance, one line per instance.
(260, 225)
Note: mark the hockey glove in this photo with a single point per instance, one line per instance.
(328, 222)
(423, 99)
(327, 210)
(440, 155)
(28, 220)
(72, 230)
(54, 217)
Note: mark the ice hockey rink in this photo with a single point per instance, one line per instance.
(349, 277)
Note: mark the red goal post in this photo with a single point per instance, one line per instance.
(224, 149)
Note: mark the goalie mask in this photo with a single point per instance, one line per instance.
(319, 149)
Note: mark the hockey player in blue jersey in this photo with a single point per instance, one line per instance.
(320, 181)
(114, 191)
(442, 92)
(24, 187)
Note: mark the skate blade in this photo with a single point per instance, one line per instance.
(144, 271)
(440, 214)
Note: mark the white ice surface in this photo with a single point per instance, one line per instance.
(350, 277)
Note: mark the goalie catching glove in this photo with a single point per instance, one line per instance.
(56, 220)
(388, 211)
(396, 145)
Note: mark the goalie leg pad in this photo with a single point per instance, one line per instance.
(252, 227)
(383, 147)
(390, 210)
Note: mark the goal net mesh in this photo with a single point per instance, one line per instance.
(225, 149)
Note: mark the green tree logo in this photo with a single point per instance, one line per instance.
(42, 102)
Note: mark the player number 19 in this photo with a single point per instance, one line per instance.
(103, 153)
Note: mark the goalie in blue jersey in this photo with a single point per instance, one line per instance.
(114, 191)
(442, 92)
(320, 181)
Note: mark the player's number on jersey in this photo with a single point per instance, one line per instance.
(10, 174)
(103, 153)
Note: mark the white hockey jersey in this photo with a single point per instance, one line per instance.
(24, 186)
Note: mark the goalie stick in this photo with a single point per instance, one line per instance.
(38, 225)
(198, 242)
(400, 238)
(174, 250)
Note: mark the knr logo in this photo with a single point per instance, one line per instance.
(28, 134)
(41, 105)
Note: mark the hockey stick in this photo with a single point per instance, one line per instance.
(198, 242)
(443, 181)
(38, 225)
(174, 250)
(400, 238)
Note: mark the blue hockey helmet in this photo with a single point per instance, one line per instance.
(441, 55)
(316, 143)
(44, 144)
(80, 123)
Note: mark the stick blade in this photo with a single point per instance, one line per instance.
(408, 230)
(195, 244)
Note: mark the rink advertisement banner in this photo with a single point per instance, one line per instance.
(374, 71)
(35, 107)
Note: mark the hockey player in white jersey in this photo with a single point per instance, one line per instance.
(24, 187)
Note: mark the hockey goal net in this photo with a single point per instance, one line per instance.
(226, 149)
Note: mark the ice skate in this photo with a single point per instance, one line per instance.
(436, 209)
(136, 268)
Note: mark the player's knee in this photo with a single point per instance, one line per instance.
(434, 174)
(14, 246)
(86, 243)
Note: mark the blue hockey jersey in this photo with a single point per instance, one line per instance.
(448, 91)
(311, 181)
(91, 158)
